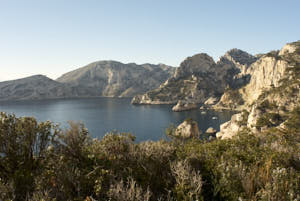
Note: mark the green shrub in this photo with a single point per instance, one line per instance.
(69, 165)
(23, 148)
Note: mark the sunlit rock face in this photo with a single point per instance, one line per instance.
(230, 128)
(115, 79)
(265, 73)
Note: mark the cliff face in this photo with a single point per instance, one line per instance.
(199, 78)
(115, 79)
(273, 91)
(263, 75)
(39, 87)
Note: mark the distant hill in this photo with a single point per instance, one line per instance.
(103, 78)
(115, 79)
(39, 87)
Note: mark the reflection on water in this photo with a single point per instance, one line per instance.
(102, 115)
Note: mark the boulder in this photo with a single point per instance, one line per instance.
(188, 129)
(211, 130)
(230, 128)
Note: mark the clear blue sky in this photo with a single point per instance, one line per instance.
(52, 37)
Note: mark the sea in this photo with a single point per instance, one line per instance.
(104, 115)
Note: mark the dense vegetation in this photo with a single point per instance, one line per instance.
(39, 161)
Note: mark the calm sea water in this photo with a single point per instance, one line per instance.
(102, 115)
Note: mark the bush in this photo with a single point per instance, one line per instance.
(41, 162)
(23, 148)
(128, 192)
(188, 181)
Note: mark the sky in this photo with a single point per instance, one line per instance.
(52, 37)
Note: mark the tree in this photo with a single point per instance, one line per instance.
(23, 146)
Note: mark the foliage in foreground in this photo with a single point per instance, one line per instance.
(38, 161)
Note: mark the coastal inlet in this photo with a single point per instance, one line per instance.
(103, 115)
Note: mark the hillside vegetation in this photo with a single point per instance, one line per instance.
(39, 161)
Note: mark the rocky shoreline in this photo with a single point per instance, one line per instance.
(261, 89)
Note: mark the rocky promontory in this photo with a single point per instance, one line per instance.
(199, 79)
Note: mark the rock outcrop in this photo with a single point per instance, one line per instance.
(115, 79)
(265, 74)
(211, 101)
(211, 130)
(231, 99)
(183, 106)
(230, 128)
(188, 129)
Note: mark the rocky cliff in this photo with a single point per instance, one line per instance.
(39, 87)
(115, 79)
(199, 78)
(264, 74)
(271, 94)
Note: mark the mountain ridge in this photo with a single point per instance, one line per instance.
(42, 87)
(199, 78)
(115, 79)
(39, 87)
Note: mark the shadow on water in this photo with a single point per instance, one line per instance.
(103, 115)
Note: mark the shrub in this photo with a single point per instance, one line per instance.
(69, 165)
(128, 192)
(23, 147)
(188, 181)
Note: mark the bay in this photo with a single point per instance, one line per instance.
(103, 115)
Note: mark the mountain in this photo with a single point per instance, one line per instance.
(39, 87)
(103, 78)
(115, 79)
(199, 78)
